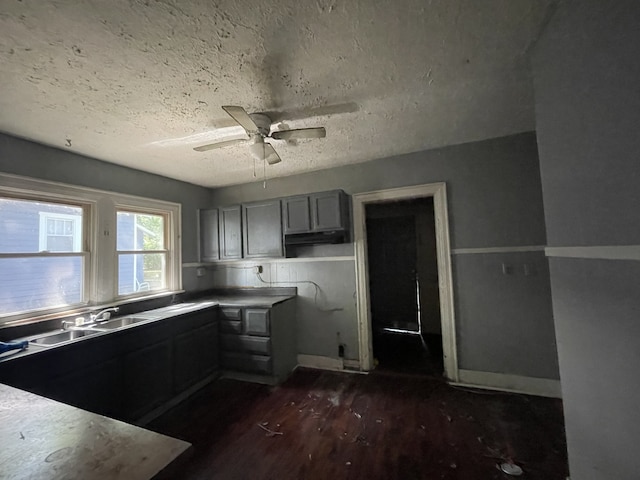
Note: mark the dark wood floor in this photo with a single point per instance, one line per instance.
(351, 426)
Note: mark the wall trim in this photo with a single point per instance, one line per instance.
(264, 261)
(351, 364)
(466, 251)
(606, 252)
(363, 308)
(541, 387)
(320, 362)
(323, 363)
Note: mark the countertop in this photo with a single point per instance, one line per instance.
(47, 440)
(259, 301)
(215, 300)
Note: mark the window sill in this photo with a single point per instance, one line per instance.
(59, 315)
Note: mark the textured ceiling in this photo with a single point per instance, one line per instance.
(141, 82)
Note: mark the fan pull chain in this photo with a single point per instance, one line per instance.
(254, 167)
(264, 167)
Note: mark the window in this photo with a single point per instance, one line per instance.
(42, 264)
(65, 249)
(60, 232)
(142, 255)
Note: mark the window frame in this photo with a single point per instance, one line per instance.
(99, 244)
(43, 234)
(167, 251)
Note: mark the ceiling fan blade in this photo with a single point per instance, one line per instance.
(241, 116)
(270, 154)
(228, 143)
(299, 133)
(312, 112)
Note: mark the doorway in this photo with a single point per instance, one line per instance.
(403, 286)
(437, 193)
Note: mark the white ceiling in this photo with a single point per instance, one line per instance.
(141, 82)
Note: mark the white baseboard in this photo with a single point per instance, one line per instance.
(542, 387)
(351, 364)
(317, 361)
(329, 363)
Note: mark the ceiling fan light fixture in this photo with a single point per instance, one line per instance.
(257, 148)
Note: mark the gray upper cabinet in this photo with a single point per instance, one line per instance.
(296, 214)
(317, 212)
(327, 211)
(262, 229)
(230, 232)
(209, 242)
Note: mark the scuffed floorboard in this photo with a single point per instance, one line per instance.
(328, 425)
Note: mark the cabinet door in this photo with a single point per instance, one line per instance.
(147, 379)
(256, 322)
(262, 229)
(327, 211)
(230, 233)
(296, 216)
(209, 243)
(96, 388)
(208, 348)
(186, 360)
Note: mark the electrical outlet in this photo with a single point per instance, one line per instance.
(507, 269)
(258, 269)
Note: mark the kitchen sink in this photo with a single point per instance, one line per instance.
(121, 322)
(65, 336)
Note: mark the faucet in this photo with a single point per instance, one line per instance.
(103, 315)
(93, 318)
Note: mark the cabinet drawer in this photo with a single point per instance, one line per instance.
(230, 326)
(230, 313)
(256, 322)
(245, 343)
(246, 362)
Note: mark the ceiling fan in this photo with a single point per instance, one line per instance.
(258, 128)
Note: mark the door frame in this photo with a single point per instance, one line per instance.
(445, 283)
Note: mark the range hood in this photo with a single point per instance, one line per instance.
(316, 238)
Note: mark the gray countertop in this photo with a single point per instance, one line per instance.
(47, 440)
(259, 301)
(253, 300)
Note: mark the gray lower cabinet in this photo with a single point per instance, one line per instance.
(128, 373)
(259, 341)
(90, 388)
(195, 356)
(146, 384)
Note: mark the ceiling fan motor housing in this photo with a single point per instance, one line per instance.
(263, 122)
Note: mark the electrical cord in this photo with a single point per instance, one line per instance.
(317, 288)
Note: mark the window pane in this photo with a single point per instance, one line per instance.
(138, 231)
(33, 283)
(141, 272)
(28, 226)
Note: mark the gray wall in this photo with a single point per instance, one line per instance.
(495, 200)
(21, 157)
(586, 73)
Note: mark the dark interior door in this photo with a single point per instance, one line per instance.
(391, 244)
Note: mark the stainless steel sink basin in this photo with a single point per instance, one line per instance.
(120, 322)
(65, 336)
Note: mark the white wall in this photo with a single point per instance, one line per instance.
(586, 74)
